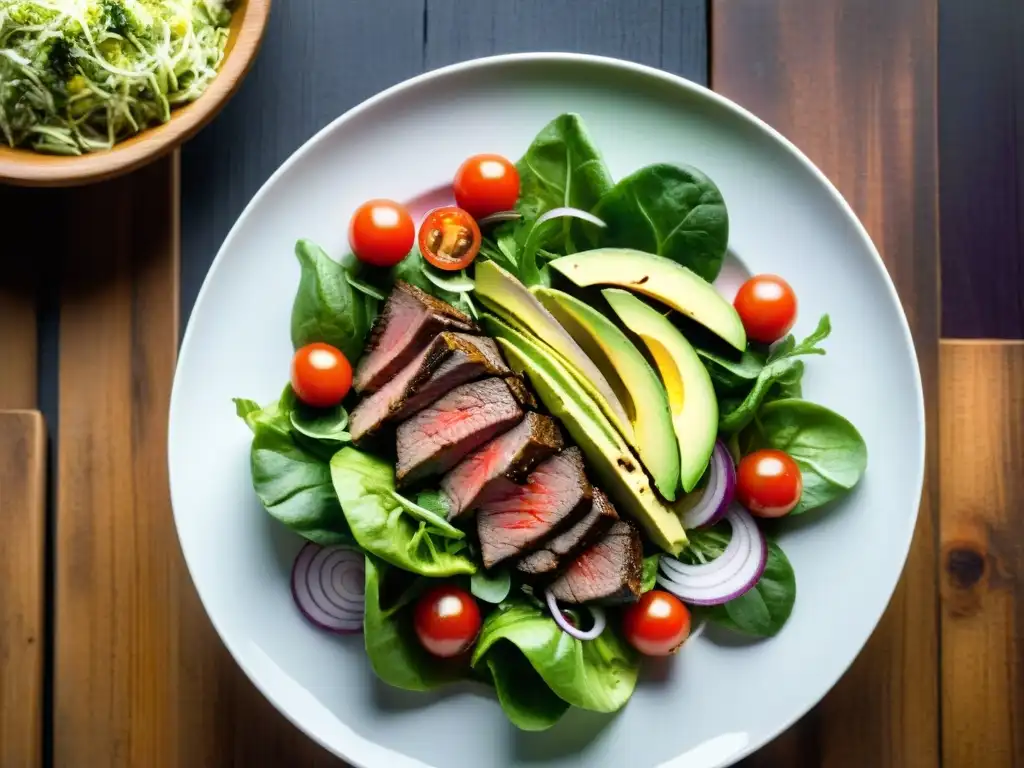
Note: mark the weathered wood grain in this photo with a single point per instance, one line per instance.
(852, 83)
(22, 559)
(982, 544)
(981, 136)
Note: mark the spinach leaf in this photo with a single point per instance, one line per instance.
(733, 376)
(491, 587)
(829, 450)
(650, 573)
(327, 308)
(388, 525)
(275, 415)
(599, 675)
(324, 424)
(562, 167)
(763, 610)
(294, 485)
(782, 369)
(671, 210)
(396, 655)
(524, 696)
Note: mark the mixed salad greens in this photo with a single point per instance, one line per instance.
(687, 409)
(80, 75)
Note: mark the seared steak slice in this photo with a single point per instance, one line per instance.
(474, 357)
(511, 455)
(522, 392)
(442, 434)
(611, 570)
(561, 550)
(410, 319)
(516, 518)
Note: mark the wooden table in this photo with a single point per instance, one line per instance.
(106, 657)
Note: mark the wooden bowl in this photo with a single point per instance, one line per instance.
(26, 167)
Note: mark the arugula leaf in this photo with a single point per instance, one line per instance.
(670, 210)
(599, 675)
(524, 697)
(327, 308)
(782, 368)
(388, 525)
(829, 450)
(562, 167)
(763, 610)
(294, 486)
(650, 576)
(396, 655)
(491, 587)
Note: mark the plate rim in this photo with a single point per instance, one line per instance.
(623, 66)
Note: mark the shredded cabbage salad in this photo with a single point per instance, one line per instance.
(80, 75)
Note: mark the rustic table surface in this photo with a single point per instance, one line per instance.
(106, 657)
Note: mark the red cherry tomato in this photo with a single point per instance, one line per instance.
(767, 306)
(769, 483)
(657, 624)
(486, 184)
(381, 232)
(321, 375)
(449, 238)
(447, 620)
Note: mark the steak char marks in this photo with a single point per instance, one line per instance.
(563, 548)
(517, 518)
(609, 571)
(410, 320)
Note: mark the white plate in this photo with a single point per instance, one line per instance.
(721, 698)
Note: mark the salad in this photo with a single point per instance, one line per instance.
(80, 75)
(529, 444)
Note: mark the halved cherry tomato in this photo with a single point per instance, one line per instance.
(449, 238)
(446, 620)
(769, 483)
(381, 232)
(657, 624)
(321, 375)
(767, 306)
(486, 184)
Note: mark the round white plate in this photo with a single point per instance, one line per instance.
(722, 697)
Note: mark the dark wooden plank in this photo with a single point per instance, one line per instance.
(22, 559)
(982, 537)
(981, 154)
(852, 83)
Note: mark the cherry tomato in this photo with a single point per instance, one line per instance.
(321, 375)
(657, 624)
(449, 238)
(486, 184)
(447, 620)
(768, 483)
(767, 306)
(381, 232)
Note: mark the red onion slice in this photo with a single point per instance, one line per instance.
(711, 504)
(498, 218)
(329, 586)
(728, 576)
(598, 615)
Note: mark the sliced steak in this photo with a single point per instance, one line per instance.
(410, 319)
(442, 434)
(522, 392)
(611, 570)
(473, 358)
(516, 518)
(512, 456)
(562, 549)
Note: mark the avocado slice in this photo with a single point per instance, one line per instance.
(508, 298)
(661, 279)
(691, 396)
(614, 466)
(631, 377)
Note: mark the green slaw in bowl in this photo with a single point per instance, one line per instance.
(79, 76)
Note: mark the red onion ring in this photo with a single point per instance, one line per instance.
(711, 504)
(598, 615)
(329, 586)
(498, 218)
(729, 575)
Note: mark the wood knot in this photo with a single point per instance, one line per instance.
(965, 567)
